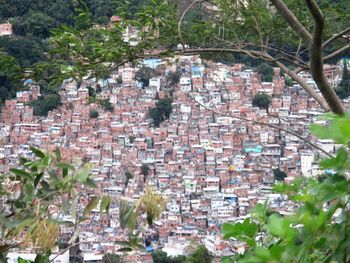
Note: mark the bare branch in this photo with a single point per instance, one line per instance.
(336, 36)
(298, 70)
(316, 60)
(337, 52)
(292, 20)
(304, 85)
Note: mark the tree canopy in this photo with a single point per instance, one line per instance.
(279, 175)
(161, 112)
(262, 100)
(343, 90)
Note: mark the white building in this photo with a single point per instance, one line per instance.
(306, 160)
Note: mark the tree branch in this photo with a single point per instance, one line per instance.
(304, 85)
(337, 52)
(316, 60)
(292, 20)
(334, 37)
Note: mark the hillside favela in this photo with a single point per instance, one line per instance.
(174, 131)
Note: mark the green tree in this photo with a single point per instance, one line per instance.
(262, 100)
(92, 92)
(107, 105)
(288, 81)
(37, 24)
(93, 114)
(132, 138)
(162, 111)
(144, 171)
(200, 255)
(27, 51)
(279, 175)
(266, 72)
(343, 90)
(173, 78)
(143, 75)
(10, 77)
(162, 257)
(128, 176)
(112, 258)
(98, 88)
(45, 103)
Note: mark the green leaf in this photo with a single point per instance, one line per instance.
(339, 163)
(65, 166)
(47, 160)
(21, 260)
(42, 258)
(276, 252)
(263, 253)
(245, 231)
(279, 226)
(226, 260)
(90, 183)
(83, 175)
(37, 152)
(21, 173)
(259, 212)
(105, 203)
(28, 191)
(26, 222)
(58, 154)
(125, 249)
(37, 179)
(91, 205)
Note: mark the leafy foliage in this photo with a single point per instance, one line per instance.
(45, 104)
(152, 205)
(133, 243)
(262, 100)
(279, 175)
(144, 171)
(162, 111)
(42, 182)
(10, 75)
(162, 257)
(318, 230)
(200, 255)
(343, 91)
(143, 75)
(107, 105)
(127, 214)
(173, 78)
(112, 258)
(128, 176)
(93, 114)
(266, 72)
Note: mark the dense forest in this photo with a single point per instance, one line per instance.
(33, 22)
